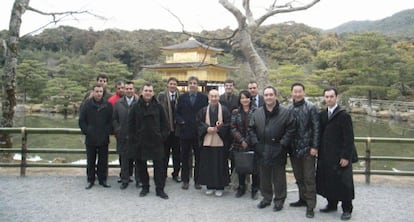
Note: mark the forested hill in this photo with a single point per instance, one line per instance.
(399, 24)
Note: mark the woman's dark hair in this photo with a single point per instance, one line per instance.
(246, 94)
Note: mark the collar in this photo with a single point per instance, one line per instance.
(333, 108)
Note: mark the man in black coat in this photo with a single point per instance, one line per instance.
(257, 99)
(148, 129)
(272, 129)
(120, 125)
(334, 177)
(188, 106)
(95, 122)
(304, 147)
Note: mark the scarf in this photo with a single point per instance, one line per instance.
(213, 139)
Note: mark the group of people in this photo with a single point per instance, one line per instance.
(203, 130)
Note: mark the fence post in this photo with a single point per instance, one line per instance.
(368, 160)
(23, 162)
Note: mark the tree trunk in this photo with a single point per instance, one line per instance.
(257, 66)
(9, 75)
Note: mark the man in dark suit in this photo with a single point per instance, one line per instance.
(334, 177)
(169, 100)
(257, 99)
(229, 98)
(95, 122)
(147, 131)
(188, 106)
(120, 124)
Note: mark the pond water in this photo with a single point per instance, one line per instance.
(363, 126)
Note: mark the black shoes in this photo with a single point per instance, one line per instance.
(162, 194)
(185, 186)
(278, 206)
(176, 179)
(263, 204)
(90, 185)
(197, 186)
(310, 213)
(346, 216)
(328, 209)
(144, 192)
(138, 185)
(104, 184)
(240, 192)
(124, 186)
(299, 203)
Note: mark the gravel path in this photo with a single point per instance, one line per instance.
(63, 198)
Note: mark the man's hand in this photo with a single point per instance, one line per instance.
(343, 162)
(313, 152)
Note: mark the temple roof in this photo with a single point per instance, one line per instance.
(191, 44)
(186, 65)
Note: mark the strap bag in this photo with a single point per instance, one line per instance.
(244, 162)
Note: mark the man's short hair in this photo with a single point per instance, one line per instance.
(147, 84)
(129, 83)
(172, 79)
(96, 85)
(253, 81)
(193, 78)
(297, 84)
(271, 87)
(102, 76)
(229, 81)
(331, 89)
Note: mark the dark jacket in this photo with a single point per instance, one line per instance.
(148, 128)
(306, 118)
(231, 103)
(186, 114)
(223, 131)
(170, 109)
(272, 134)
(337, 141)
(120, 122)
(95, 122)
(239, 127)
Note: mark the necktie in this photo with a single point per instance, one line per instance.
(254, 102)
(329, 114)
(192, 99)
(172, 97)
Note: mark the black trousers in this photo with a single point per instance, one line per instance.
(172, 146)
(127, 168)
(102, 168)
(346, 205)
(255, 181)
(187, 147)
(159, 173)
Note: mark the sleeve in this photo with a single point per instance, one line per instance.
(348, 137)
(200, 120)
(315, 124)
(83, 120)
(290, 130)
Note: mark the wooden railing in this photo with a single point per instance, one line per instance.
(24, 150)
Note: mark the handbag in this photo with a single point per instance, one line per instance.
(244, 162)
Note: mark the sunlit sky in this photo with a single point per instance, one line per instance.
(195, 15)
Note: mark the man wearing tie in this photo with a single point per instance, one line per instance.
(334, 177)
(187, 108)
(168, 99)
(257, 99)
(120, 125)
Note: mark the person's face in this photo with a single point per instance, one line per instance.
(97, 93)
(297, 93)
(120, 89)
(129, 90)
(172, 86)
(213, 97)
(228, 88)
(193, 86)
(330, 98)
(103, 82)
(147, 93)
(244, 100)
(269, 97)
(253, 89)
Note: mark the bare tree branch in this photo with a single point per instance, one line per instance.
(284, 9)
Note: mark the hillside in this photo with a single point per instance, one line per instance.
(399, 24)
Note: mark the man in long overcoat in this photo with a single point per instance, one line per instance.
(148, 129)
(334, 178)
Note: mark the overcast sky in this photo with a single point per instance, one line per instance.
(196, 15)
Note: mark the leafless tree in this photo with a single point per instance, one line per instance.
(247, 25)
